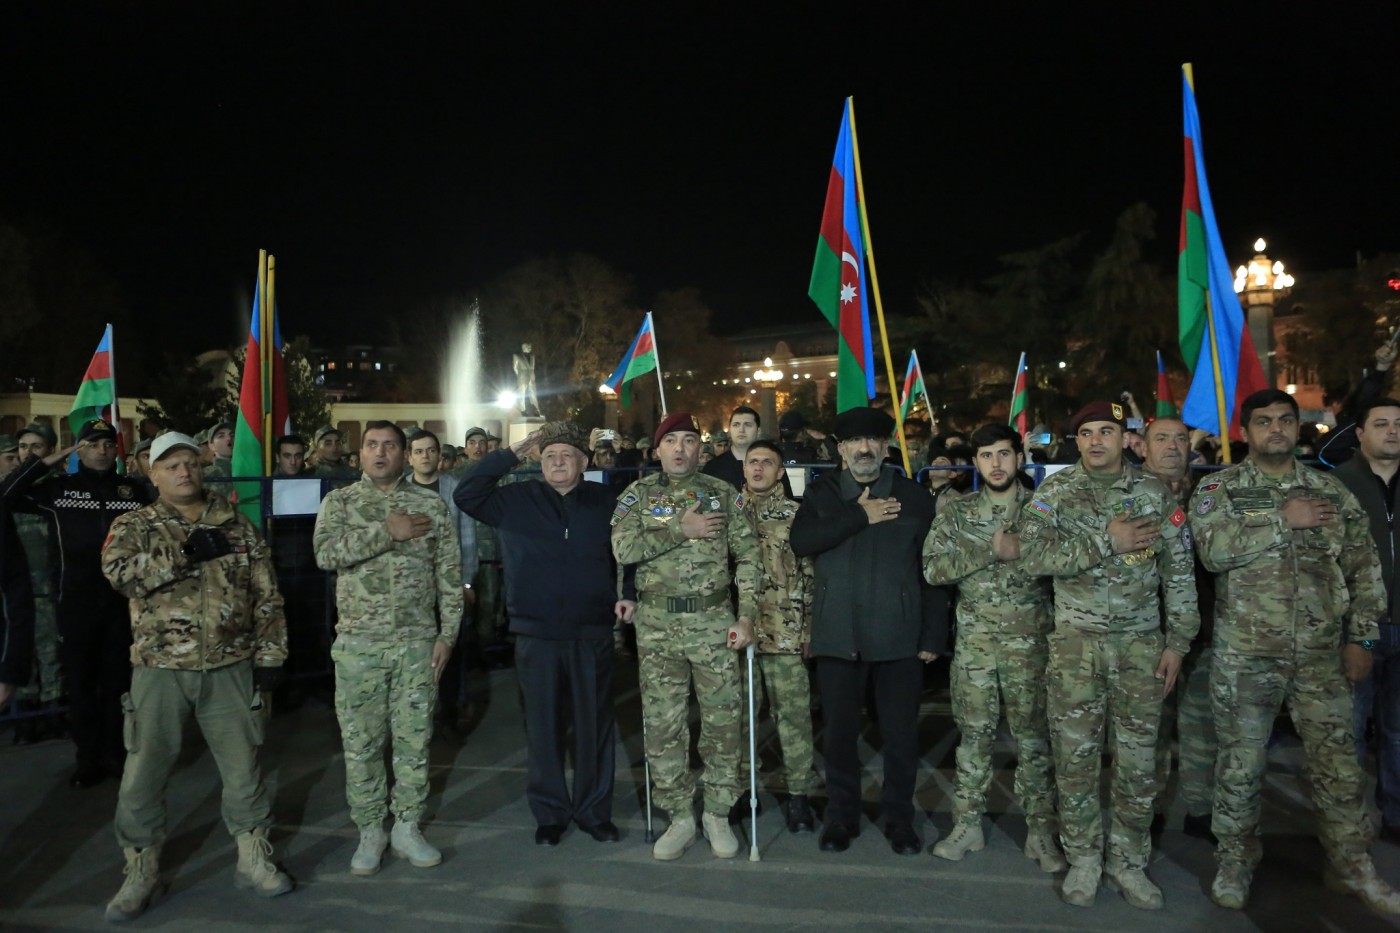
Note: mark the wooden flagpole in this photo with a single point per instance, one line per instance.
(265, 364)
(1219, 383)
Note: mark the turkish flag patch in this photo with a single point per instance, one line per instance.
(1178, 517)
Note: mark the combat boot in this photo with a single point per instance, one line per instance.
(1041, 848)
(370, 852)
(407, 840)
(966, 837)
(678, 837)
(800, 818)
(141, 886)
(1082, 883)
(722, 841)
(1137, 889)
(256, 869)
(1366, 885)
(1231, 885)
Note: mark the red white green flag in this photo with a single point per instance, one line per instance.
(263, 406)
(1018, 418)
(639, 360)
(97, 398)
(914, 388)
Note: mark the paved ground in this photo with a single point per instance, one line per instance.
(59, 864)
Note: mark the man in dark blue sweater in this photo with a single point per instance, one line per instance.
(561, 598)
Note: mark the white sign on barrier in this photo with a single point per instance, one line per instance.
(296, 496)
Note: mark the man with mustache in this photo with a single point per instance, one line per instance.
(1111, 538)
(1004, 618)
(863, 528)
(1299, 576)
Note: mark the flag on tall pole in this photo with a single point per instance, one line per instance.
(838, 283)
(1166, 407)
(914, 388)
(1214, 340)
(1019, 416)
(97, 397)
(263, 406)
(639, 360)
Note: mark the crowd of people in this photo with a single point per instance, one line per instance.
(1121, 604)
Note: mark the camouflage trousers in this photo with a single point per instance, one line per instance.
(789, 688)
(672, 650)
(489, 607)
(987, 669)
(155, 711)
(50, 680)
(384, 689)
(1247, 693)
(1187, 711)
(1095, 681)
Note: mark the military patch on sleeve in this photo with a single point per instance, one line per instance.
(1187, 540)
(1038, 506)
(1177, 518)
(624, 505)
(1209, 486)
(1205, 505)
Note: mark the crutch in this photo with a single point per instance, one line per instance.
(753, 766)
(646, 770)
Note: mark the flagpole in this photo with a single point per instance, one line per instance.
(875, 287)
(116, 412)
(265, 364)
(1219, 383)
(656, 350)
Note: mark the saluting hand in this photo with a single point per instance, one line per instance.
(1132, 534)
(696, 525)
(404, 526)
(54, 459)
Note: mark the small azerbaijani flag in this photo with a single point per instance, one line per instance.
(639, 360)
(97, 398)
(914, 388)
(1019, 417)
(1166, 408)
(839, 276)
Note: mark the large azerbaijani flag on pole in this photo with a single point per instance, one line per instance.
(1214, 340)
(263, 407)
(914, 388)
(1019, 417)
(839, 276)
(639, 360)
(97, 398)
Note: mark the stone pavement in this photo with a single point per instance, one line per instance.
(59, 863)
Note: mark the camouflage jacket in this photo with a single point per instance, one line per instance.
(994, 596)
(196, 616)
(1281, 590)
(646, 531)
(35, 537)
(785, 587)
(1065, 535)
(330, 471)
(218, 468)
(384, 588)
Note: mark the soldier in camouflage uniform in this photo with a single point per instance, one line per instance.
(1112, 539)
(33, 531)
(327, 456)
(1186, 710)
(221, 446)
(399, 594)
(782, 633)
(208, 637)
(1004, 618)
(1298, 576)
(682, 528)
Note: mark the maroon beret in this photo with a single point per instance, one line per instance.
(1097, 411)
(679, 421)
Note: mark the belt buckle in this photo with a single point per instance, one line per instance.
(681, 604)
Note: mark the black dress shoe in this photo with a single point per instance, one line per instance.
(800, 815)
(903, 839)
(548, 835)
(836, 837)
(603, 832)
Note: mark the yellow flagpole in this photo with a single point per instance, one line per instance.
(875, 288)
(1219, 384)
(265, 364)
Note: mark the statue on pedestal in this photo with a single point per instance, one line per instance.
(524, 364)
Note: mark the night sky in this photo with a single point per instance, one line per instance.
(397, 156)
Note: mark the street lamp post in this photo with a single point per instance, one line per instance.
(610, 415)
(1260, 285)
(768, 380)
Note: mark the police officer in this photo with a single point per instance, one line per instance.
(209, 640)
(1112, 539)
(1298, 574)
(93, 622)
(1004, 618)
(682, 528)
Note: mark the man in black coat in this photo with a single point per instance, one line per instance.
(561, 596)
(93, 621)
(865, 529)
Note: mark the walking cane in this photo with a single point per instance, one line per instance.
(753, 767)
(646, 770)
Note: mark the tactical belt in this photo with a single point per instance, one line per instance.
(691, 603)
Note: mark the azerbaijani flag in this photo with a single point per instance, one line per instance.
(1166, 408)
(914, 388)
(839, 276)
(1209, 313)
(97, 398)
(1018, 417)
(639, 360)
(263, 406)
